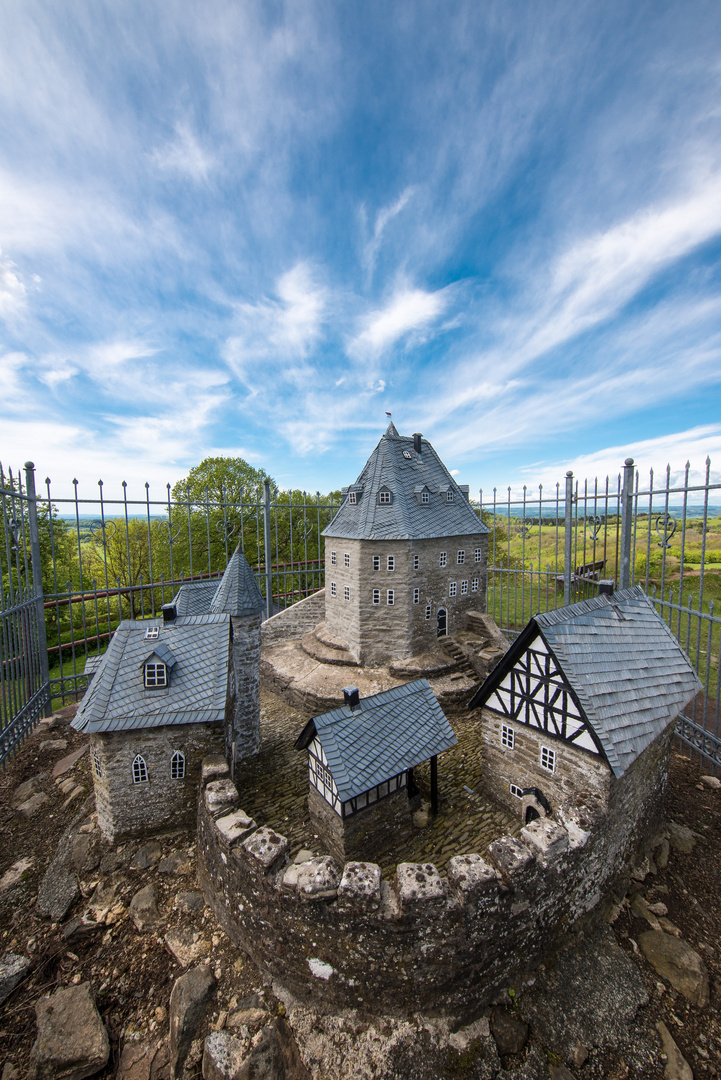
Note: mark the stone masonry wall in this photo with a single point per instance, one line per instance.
(377, 634)
(579, 786)
(340, 937)
(128, 809)
(371, 833)
(245, 658)
(294, 621)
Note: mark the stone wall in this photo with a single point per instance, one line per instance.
(579, 787)
(245, 658)
(339, 937)
(382, 633)
(370, 833)
(294, 621)
(128, 809)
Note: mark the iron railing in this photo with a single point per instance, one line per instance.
(72, 566)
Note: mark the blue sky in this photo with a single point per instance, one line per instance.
(254, 228)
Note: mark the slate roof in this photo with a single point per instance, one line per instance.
(195, 597)
(391, 731)
(405, 518)
(238, 592)
(198, 680)
(631, 676)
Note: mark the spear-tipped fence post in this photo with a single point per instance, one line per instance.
(624, 570)
(38, 580)
(267, 552)
(568, 541)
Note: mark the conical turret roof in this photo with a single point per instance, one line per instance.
(238, 593)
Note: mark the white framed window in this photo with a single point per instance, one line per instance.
(416, 562)
(391, 597)
(443, 559)
(416, 596)
(548, 759)
(352, 498)
(508, 736)
(97, 767)
(333, 558)
(156, 675)
(177, 765)
(428, 611)
(152, 632)
(474, 584)
(333, 589)
(464, 588)
(407, 455)
(346, 592)
(140, 770)
(376, 596)
(515, 790)
(477, 555)
(391, 562)
(323, 775)
(452, 588)
(376, 562)
(346, 559)
(384, 498)
(449, 496)
(425, 498)
(461, 558)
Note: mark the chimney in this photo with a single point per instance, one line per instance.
(605, 587)
(169, 613)
(417, 439)
(351, 694)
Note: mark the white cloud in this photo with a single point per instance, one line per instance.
(383, 217)
(185, 155)
(409, 310)
(12, 288)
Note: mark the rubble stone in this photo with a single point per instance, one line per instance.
(71, 1042)
(189, 999)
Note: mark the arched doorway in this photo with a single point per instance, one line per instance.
(442, 622)
(531, 814)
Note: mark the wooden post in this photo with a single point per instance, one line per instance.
(434, 784)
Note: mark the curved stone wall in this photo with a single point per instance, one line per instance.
(340, 937)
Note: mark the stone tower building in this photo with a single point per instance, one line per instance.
(405, 555)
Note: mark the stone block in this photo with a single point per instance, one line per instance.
(189, 1000)
(510, 856)
(317, 879)
(547, 838)
(235, 826)
(13, 969)
(469, 876)
(71, 1042)
(267, 846)
(360, 886)
(214, 767)
(220, 796)
(419, 887)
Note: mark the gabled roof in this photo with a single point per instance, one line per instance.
(196, 693)
(391, 731)
(405, 517)
(195, 597)
(238, 592)
(628, 671)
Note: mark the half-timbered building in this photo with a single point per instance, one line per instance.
(361, 758)
(577, 699)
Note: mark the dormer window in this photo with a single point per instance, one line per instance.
(352, 498)
(155, 675)
(385, 497)
(422, 494)
(449, 496)
(425, 498)
(151, 633)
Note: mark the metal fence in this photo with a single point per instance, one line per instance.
(73, 567)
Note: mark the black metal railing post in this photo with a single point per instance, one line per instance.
(37, 571)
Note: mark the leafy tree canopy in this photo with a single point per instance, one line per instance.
(222, 479)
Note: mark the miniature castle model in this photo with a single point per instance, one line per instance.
(576, 703)
(165, 694)
(360, 760)
(405, 556)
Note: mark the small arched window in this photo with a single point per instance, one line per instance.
(140, 770)
(177, 765)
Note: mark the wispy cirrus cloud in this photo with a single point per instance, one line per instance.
(185, 155)
(407, 311)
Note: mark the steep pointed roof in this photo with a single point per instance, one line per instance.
(396, 468)
(238, 593)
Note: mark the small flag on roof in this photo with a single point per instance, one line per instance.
(387, 413)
